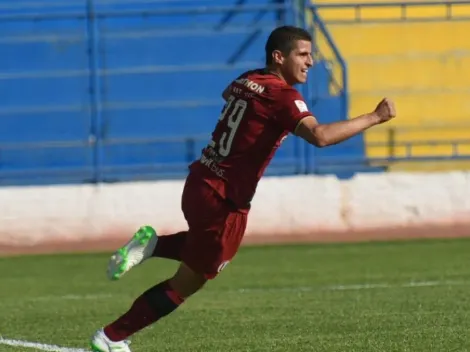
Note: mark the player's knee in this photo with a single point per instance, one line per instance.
(186, 281)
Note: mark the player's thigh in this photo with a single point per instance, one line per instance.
(208, 250)
(202, 207)
(215, 232)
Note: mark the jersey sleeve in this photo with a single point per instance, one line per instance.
(291, 110)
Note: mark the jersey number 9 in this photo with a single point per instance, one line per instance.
(232, 115)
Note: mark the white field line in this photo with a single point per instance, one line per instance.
(349, 287)
(71, 297)
(39, 346)
(356, 287)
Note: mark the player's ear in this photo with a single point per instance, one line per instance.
(278, 58)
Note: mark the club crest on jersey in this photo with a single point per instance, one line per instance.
(301, 105)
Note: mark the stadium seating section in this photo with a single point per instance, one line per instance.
(133, 91)
(419, 56)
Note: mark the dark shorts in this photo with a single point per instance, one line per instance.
(216, 228)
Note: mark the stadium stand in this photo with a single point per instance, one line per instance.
(417, 53)
(117, 90)
(121, 90)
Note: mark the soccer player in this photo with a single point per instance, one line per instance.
(262, 108)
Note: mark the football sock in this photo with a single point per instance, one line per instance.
(151, 306)
(170, 246)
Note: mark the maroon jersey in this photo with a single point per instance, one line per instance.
(260, 111)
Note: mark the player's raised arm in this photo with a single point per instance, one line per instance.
(322, 135)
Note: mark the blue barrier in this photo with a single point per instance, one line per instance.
(84, 78)
(170, 157)
(109, 91)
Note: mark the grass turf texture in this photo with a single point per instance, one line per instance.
(270, 298)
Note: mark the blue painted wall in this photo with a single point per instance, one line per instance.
(94, 92)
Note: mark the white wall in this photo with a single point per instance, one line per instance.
(282, 206)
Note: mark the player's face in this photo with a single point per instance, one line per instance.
(295, 66)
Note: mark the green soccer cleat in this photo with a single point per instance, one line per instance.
(100, 343)
(139, 248)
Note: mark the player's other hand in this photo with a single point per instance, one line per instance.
(385, 110)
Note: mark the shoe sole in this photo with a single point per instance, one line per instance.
(142, 236)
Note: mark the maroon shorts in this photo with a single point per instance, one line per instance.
(216, 228)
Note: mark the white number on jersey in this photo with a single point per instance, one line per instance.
(235, 109)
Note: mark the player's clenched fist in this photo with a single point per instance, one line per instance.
(385, 110)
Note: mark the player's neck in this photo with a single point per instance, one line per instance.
(276, 72)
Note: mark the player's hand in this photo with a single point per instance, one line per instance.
(385, 110)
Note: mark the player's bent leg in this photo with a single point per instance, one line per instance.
(135, 251)
(209, 248)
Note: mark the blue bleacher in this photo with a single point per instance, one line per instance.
(135, 93)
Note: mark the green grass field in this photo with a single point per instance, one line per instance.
(403, 296)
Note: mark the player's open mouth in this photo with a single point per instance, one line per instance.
(305, 71)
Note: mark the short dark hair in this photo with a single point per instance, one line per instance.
(283, 39)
